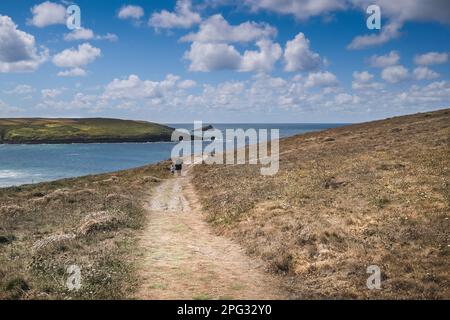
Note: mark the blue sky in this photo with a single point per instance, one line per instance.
(224, 60)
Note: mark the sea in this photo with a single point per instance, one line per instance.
(26, 164)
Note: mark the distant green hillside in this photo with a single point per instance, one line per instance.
(89, 130)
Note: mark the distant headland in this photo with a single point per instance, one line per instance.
(80, 130)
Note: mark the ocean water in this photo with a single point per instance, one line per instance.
(24, 164)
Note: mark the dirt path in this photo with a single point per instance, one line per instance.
(184, 259)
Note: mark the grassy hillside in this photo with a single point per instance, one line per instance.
(90, 222)
(39, 130)
(346, 198)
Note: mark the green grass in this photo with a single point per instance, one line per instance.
(39, 130)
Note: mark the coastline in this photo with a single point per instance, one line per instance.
(339, 191)
(90, 140)
(103, 157)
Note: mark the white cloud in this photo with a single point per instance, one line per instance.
(75, 72)
(388, 32)
(261, 93)
(383, 61)
(130, 12)
(321, 79)
(346, 99)
(425, 73)
(407, 10)
(220, 56)
(394, 14)
(298, 55)
(18, 52)
(183, 17)
(363, 76)
(301, 9)
(72, 58)
(50, 93)
(225, 95)
(217, 29)
(187, 84)
(362, 81)
(21, 89)
(135, 88)
(109, 36)
(431, 58)
(262, 60)
(212, 56)
(395, 74)
(47, 13)
(433, 94)
(79, 34)
(397, 13)
(400, 10)
(88, 34)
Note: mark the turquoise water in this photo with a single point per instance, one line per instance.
(23, 164)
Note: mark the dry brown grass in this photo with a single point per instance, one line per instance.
(344, 199)
(90, 222)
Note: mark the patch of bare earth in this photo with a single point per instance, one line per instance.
(184, 259)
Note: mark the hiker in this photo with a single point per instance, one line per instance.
(178, 166)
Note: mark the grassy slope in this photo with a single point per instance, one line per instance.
(35, 130)
(102, 211)
(344, 199)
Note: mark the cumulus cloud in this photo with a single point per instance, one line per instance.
(88, 34)
(435, 94)
(212, 56)
(363, 76)
(72, 58)
(187, 84)
(298, 55)
(75, 72)
(383, 61)
(262, 60)
(79, 34)
(362, 81)
(18, 52)
(321, 79)
(346, 99)
(395, 74)
(431, 58)
(47, 13)
(130, 12)
(425, 73)
(220, 56)
(260, 93)
(50, 93)
(217, 29)
(135, 88)
(183, 17)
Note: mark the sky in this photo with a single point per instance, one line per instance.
(291, 61)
